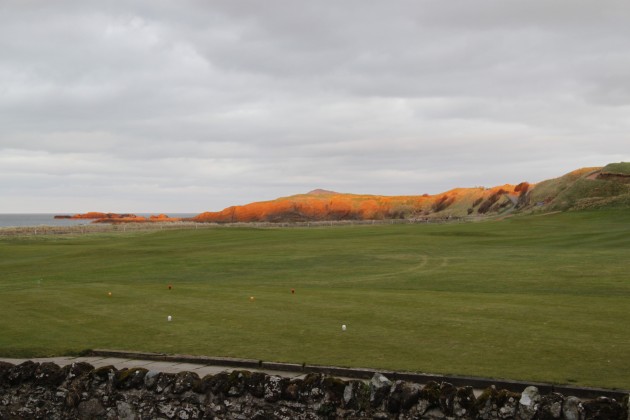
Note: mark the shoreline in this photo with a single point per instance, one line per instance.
(153, 226)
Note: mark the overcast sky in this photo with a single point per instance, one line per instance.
(190, 106)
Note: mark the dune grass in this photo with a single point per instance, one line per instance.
(619, 168)
(544, 298)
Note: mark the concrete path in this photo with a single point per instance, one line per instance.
(160, 366)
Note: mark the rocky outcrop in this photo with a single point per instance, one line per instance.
(95, 215)
(98, 217)
(33, 390)
(322, 205)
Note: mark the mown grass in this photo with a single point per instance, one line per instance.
(544, 298)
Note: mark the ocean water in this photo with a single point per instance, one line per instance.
(48, 219)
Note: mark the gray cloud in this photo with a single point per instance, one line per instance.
(194, 106)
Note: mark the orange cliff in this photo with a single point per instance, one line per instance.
(320, 205)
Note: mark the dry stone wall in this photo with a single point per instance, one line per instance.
(32, 390)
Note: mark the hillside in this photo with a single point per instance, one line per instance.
(594, 187)
(329, 205)
(585, 188)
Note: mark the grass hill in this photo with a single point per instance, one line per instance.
(584, 188)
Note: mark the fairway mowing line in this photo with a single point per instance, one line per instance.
(419, 268)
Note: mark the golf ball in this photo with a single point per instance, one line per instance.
(169, 318)
(343, 327)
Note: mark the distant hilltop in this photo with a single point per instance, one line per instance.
(585, 188)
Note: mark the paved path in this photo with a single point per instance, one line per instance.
(160, 366)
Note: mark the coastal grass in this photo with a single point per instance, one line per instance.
(540, 298)
(619, 168)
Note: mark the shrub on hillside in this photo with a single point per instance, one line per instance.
(523, 187)
(442, 203)
(490, 201)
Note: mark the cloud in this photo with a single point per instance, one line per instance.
(194, 106)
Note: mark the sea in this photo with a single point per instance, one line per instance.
(48, 219)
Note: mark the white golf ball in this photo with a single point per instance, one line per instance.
(168, 318)
(343, 327)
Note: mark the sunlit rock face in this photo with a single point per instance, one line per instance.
(321, 205)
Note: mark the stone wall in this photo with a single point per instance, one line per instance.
(32, 390)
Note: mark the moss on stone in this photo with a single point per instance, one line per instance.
(431, 393)
(334, 387)
(103, 372)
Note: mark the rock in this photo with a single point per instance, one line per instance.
(71, 399)
(49, 374)
(169, 410)
(90, 409)
(292, 391)
(333, 389)
(218, 384)
(356, 395)
(76, 370)
(185, 381)
(464, 402)
(550, 406)
(403, 396)
(434, 413)
(188, 412)
(528, 404)
(5, 367)
(129, 378)
(602, 408)
(104, 373)
(151, 379)
(125, 412)
(237, 382)
(255, 384)
(273, 388)
(447, 395)
(22, 372)
(430, 394)
(164, 382)
(325, 411)
(379, 389)
(572, 408)
(493, 404)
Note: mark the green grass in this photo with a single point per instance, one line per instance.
(620, 168)
(542, 298)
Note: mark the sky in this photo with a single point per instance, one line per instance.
(192, 106)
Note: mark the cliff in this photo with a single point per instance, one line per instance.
(328, 205)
